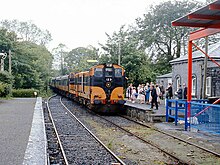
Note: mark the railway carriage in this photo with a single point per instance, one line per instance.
(100, 88)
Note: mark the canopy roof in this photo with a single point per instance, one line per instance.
(205, 17)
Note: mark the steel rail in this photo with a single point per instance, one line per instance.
(96, 138)
(173, 136)
(147, 141)
(56, 132)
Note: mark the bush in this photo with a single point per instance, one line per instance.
(24, 92)
(5, 77)
(5, 89)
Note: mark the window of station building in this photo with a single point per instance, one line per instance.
(208, 86)
(178, 82)
(118, 72)
(193, 85)
(98, 72)
(108, 72)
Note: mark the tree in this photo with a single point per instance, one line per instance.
(133, 58)
(27, 31)
(31, 65)
(162, 41)
(77, 59)
(6, 39)
(58, 58)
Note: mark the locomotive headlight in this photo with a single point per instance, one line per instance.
(108, 84)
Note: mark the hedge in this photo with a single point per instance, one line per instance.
(5, 89)
(24, 92)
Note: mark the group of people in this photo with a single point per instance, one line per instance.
(152, 94)
(146, 93)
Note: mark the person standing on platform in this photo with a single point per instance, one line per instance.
(169, 94)
(158, 93)
(162, 92)
(154, 97)
(147, 93)
(169, 90)
(180, 92)
(184, 91)
(129, 91)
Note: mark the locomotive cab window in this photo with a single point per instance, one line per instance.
(108, 72)
(118, 72)
(98, 72)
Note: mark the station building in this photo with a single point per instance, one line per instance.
(179, 74)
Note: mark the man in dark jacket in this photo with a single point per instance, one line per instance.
(184, 91)
(169, 91)
(154, 97)
(180, 92)
(169, 94)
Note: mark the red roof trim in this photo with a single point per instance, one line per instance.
(214, 7)
(204, 25)
(202, 33)
(189, 24)
(204, 17)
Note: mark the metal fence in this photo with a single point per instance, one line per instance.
(204, 117)
(176, 109)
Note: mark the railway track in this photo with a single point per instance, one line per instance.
(77, 144)
(155, 156)
(182, 151)
(173, 136)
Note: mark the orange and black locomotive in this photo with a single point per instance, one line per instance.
(100, 88)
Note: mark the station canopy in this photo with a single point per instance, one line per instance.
(205, 17)
(208, 20)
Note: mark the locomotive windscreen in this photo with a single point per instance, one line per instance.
(108, 72)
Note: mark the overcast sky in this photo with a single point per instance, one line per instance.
(76, 23)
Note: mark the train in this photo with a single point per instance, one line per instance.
(101, 88)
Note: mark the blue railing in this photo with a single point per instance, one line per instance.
(177, 109)
(204, 116)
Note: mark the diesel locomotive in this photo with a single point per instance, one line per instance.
(100, 88)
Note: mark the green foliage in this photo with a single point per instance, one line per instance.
(58, 55)
(6, 81)
(27, 31)
(5, 77)
(76, 59)
(31, 65)
(147, 47)
(5, 89)
(163, 41)
(6, 39)
(133, 59)
(24, 92)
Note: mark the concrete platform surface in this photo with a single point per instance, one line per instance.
(21, 140)
(161, 107)
(15, 125)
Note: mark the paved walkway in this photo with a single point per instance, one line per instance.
(15, 125)
(21, 140)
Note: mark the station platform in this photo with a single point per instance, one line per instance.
(22, 138)
(144, 111)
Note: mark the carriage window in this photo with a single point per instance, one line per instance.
(108, 72)
(118, 72)
(98, 72)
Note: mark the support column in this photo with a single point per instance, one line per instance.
(189, 89)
